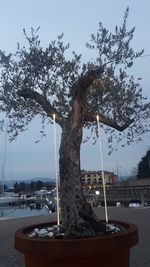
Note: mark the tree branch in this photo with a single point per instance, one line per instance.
(109, 122)
(41, 100)
(83, 83)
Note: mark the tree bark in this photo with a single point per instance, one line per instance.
(78, 218)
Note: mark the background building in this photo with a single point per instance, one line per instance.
(93, 179)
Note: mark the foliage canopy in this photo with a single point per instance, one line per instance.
(144, 167)
(48, 80)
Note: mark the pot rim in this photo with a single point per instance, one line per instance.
(22, 232)
(89, 245)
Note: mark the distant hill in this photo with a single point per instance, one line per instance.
(10, 183)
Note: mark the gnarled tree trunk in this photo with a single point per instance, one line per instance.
(77, 215)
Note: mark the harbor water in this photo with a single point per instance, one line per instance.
(11, 212)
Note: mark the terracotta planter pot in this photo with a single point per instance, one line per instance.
(102, 251)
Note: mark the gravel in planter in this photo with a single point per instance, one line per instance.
(55, 231)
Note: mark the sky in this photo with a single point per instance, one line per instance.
(77, 20)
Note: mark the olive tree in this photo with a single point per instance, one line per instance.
(46, 81)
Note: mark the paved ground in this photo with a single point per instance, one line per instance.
(140, 255)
